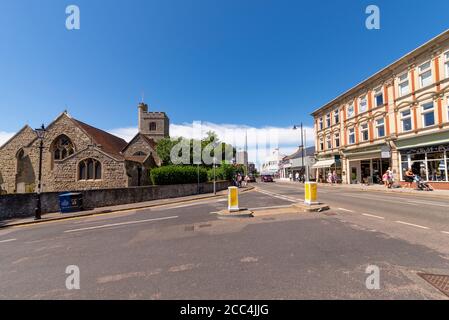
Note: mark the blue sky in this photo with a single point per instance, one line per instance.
(256, 63)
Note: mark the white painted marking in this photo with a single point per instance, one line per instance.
(396, 200)
(411, 224)
(121, 224)
(272, 207)
(445, 232)
(347, 210)
(373, 216)
(7, 240)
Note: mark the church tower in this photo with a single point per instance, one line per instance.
(154, 125)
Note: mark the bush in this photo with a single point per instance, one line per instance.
(177, 175)
(224, 172)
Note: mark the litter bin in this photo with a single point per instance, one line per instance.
(70, 202)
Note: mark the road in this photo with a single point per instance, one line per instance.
(185, 251)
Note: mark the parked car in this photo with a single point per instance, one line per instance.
(252, 178)
(267, 178)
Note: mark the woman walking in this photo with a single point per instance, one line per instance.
(409, 177)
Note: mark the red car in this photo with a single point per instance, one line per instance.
(267, 178)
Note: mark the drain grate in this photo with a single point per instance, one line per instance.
(441, 282)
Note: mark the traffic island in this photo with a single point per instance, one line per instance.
(318, 207)
(241, 213)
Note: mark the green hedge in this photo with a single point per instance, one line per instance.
(177, 175)
(224, 172)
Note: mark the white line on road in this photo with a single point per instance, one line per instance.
(272, 207)
(445, 232)
(8, 240)
(121, 224)
(413, 225)
(347, 210)
(373, 216)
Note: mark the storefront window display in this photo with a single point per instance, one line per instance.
(431, 163)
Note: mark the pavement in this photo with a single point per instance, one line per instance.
(53, 216)
(184, 251)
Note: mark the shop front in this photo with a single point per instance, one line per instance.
(428, 157)
(325, 166)
(367, 166)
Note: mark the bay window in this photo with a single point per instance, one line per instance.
(336, 116)
(363, 105)
(446, 64)
(380, 128)
(364, 132)
(428, 114)
(350, 110)
(328, 120)
(337, 140)
(406, 120)
(404, 87)
(379, 97)
(351, 136)
(425, 74)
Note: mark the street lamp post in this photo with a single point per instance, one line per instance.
(40, 132)
(215, 187)
(295, 127)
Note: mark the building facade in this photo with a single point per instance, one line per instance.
(77, 156)
(293, 164)
(397, 118)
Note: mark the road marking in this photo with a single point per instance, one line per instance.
(445, 232)
(272, 207)
(413, 225)
(396, 200)
(121, 224)
(372, 216)
(278, 196)
(7, 240)
(347, 210)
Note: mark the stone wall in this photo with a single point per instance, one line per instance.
(8, 158)
(66, 172)
(22, 205)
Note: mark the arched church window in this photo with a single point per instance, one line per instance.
(62, 148)
(89, 169)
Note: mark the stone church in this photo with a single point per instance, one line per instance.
(77, 156)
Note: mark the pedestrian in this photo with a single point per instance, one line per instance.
(385, 179)
(390, 177)
(334, 177)
(239, 180)
(246, 180)
(290, 176)
(329, 178)
(297, 176)
(409, 177)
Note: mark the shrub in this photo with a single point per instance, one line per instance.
(177, 175)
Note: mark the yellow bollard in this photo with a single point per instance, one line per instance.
(310, 197)
(233, 199)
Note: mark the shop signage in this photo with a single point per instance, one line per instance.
(385, 152)
(440, 148)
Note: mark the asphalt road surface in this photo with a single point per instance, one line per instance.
(184, 251)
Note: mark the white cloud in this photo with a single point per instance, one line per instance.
(5, 136)
(263, 139)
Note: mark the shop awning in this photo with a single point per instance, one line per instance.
(324, 164)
